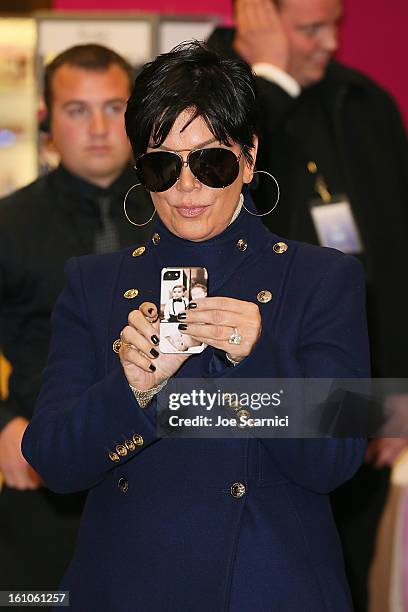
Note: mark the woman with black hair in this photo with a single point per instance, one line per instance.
(238, 524)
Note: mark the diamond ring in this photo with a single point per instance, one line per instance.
(235, 337)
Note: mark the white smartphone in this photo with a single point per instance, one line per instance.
(179, 287)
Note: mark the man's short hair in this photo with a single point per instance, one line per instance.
(88, 57)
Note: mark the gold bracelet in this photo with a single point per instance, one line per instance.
(145, 397)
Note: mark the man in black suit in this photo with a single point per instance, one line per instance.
(337, 146)
(73, 210)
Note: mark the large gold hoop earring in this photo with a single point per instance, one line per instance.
(277, 199)
(125, 211)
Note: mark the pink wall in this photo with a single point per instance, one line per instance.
(374, 40)
(217, 7)
(374, 37)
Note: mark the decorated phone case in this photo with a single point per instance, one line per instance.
(179, 287)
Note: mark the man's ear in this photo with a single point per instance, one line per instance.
(45, 123)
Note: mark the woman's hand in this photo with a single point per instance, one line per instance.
(144, 366)
(223, 317)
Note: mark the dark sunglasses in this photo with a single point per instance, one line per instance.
(215, 167)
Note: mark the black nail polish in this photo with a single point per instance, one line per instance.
(181, 316)
(155, 339)
(152, 367)
(192, 305)
(182, 326)
(154, 352)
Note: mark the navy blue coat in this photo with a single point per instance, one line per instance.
(176, 539)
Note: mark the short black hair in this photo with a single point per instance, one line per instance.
(193, 76)
(89, 57)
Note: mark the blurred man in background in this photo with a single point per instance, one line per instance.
(74, 210)
(336, 144)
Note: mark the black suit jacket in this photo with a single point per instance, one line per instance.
(352, 129)
(41, 227)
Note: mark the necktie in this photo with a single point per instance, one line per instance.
(106, 238)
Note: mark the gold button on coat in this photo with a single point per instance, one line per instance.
(264, 296)
(138, 439)
(156, 238)
(229, 399)
(121, 450)
(130, 445)
(116, 345)
(123, 485)
(139, 251)
(114, 456)
(238, 490)
(243, 413)
(242, 245)
(131, 293)
(280, 247)
(312, 167)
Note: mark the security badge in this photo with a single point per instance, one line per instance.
(333, 219)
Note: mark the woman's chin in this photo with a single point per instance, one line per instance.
(196, 229)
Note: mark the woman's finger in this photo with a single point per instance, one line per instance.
(133, 338)
(244, 348)
(219, 335)
(149, 311)
(147, 329)
(224, 304)
(130, 355)
(224, 318)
